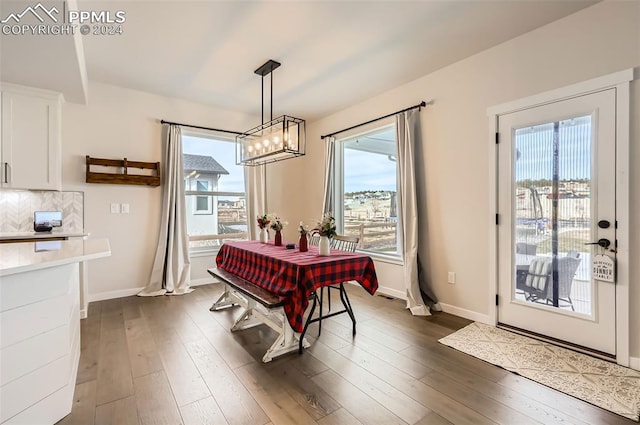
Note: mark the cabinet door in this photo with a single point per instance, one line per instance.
(30, 142)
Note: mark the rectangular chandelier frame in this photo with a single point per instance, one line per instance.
(279, 139)
(276, 140)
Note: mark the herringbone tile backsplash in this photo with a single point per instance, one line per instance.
(17, 207)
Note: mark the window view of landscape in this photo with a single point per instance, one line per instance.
(214, 191)
(369, 190)
(538, 198)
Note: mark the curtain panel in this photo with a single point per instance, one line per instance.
(171, 267)
(255, 179)
(329, 174)
(419, 294)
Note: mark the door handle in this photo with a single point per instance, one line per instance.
(605, 243)
(6, 172)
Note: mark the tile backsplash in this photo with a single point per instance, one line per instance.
(17, 207)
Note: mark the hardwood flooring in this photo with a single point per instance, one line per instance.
(169, 360)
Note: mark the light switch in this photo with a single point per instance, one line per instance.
(125, 208)
(115, 208)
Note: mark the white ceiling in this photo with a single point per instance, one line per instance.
(333, 54)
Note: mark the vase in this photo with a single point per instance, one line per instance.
(277, 240)
(323, 246)
(264, 235)
(303, 244)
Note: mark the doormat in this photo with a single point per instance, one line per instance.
(601, 383)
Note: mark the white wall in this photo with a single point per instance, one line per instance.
(456, 217)
(119, 123)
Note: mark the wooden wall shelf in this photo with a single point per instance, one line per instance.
(123, 177)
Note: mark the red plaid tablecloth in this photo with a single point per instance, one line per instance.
(294, 275)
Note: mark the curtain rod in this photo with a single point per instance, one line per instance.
(420, 105)
(199, 127)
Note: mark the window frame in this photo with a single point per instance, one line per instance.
(211, 195)
(396, 257)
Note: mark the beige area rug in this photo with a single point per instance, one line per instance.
(604, 384)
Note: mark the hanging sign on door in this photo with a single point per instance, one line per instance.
(603, 268)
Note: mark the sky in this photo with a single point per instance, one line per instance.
(363, 170)
(368, 171)
(535, 147)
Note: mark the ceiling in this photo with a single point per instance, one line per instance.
(333, 54)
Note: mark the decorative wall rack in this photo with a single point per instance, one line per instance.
(122, 175)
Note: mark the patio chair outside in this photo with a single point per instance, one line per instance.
(539, 284)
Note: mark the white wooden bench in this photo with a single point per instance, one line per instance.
(260, 307)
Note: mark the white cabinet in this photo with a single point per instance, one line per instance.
(30, 150)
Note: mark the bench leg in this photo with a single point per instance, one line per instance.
(247, 319)
(253, 315)
(286, 342)
(225, 300)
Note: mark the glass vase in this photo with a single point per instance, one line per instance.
(277, 241)
(303, 243)
(324, 247)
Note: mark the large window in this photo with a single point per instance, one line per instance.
(366, 189)
(214, 191)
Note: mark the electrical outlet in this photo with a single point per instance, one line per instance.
(115, 208)
(451, 278)
(125, 208)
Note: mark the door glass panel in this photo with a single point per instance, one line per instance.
(552, 210)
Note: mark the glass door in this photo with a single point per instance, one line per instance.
(557, 193)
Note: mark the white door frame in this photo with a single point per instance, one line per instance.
(620, 81)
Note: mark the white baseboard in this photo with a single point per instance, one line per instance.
(114, 294)
(467, 314)
(203, 281)
(383, 290)
(634, 363)
(133, 291)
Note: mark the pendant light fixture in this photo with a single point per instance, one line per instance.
(278, 139)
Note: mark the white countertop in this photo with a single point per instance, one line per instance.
(22, 257)
(41, 235)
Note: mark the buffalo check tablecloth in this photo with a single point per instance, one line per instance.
(295, 275)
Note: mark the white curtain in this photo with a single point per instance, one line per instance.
(255, 183)
(329, 174)
(171, 267)
(408, 134)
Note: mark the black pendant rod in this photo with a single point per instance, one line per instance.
(418, 106)
(199, 127)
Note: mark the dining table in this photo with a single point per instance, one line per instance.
(292, 275)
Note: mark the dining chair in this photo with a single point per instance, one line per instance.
(314, 240)
(343, 243)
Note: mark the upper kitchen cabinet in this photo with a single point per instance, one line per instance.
(30, 150)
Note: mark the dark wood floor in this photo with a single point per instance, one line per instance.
(169, 360)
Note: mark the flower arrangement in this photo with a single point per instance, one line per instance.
(303, 229)
(263, 220)
(277, 223)
(326, 226)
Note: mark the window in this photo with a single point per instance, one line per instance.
(214, 191)
(366, 190)
(203, 203)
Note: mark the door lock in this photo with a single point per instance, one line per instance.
(604, 243)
